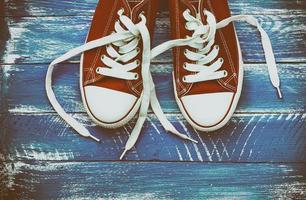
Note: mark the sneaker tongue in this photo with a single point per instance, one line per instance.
(130, 6)
(198, 7)
(137, 6)
(133, 3)
(201, 8)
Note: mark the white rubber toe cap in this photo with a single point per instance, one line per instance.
(207, 109)
(107, 105)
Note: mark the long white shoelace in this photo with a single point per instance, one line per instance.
(127, 41)
(203, 40)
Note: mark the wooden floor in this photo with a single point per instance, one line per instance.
(259, 154)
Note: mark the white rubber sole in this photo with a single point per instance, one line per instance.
(233, 105)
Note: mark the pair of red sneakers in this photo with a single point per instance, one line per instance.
(115, 79)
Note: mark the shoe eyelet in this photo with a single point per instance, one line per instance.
(221, 60)
(217, 47)
(185, 51)
(225, 73)
(136, 76)
(97, 70)
(137, 62)
(185, 65)
(184, 79)
(102, 57)
(138, 49)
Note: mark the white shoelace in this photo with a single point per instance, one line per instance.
(203, 40)
(127, 41)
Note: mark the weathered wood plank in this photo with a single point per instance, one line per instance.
(81, 7)
(59, 34)
(23, 89)
(247, 138)
(53, 180)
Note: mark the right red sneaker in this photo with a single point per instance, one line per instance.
(208, 68)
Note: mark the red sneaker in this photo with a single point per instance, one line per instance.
(208, 71)
(111, 80)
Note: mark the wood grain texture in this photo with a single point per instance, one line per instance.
(247, 138)
(23, 89)
(42, 39)
(81, 7)
(140, 181)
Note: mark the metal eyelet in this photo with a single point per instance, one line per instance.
(217, 47)
(98, 70)
(185, 65)
(102, 57)
(136, 76)
(137, 62)
(225, 73)
(138, 49)
(221, 60)
(185, 51)
(184, 79)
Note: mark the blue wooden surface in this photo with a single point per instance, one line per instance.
(247, 138)
(21, 98)
(41, 157)
(141, 181)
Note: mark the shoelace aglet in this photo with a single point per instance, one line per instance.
(279, 92)
(93, 137)
(183, 136)
(189, 138)
(192, 140)
(123, 154)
